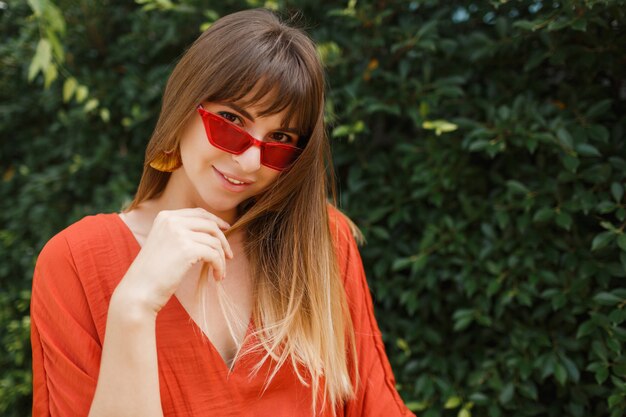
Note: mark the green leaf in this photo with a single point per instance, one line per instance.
(619, 368)
(417, 405)
(572, 370)
(564, 220)
(585, 329)
(615, 400)
(345, 130)
(41, 60)
(91, 105)
(585, 149)
(560, 373)
(517, 187)
(621, 241)
(429, 27)
(462, 323)
(479, 398)
(565, 138)
(601, 374)
(617, 190)
(402, 263)
(49, 75)
(601, 240)
(452, 402)
(528, 24)
(536, 58)
(36, 6)
(54, 18)
(478, 145)
(329, 52)
(439, 126)
(614, 345)
(506, 394)
(464, 412)
(599, 109)
(57, 47)
(607, 299)
(450, 91)
(380, 232)
(599, 350)
(403, 345)
(69, 87)
(608, 226)
(570, 162)
(105, 115)
(605, 207)
(580, 24)
(529, 390)
(599, 133)
(81, 93)
(543, 215)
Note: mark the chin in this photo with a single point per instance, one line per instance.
(212, 201)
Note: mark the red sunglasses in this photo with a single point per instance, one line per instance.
(231, 138)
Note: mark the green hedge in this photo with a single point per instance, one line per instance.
(480, 146)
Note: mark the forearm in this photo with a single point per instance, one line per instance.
(128, 382)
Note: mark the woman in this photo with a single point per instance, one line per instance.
(229, 286)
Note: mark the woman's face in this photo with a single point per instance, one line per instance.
(217, 180)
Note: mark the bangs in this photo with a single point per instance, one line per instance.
(280, 70)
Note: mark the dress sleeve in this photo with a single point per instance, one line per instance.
(65, 344)
(376, 394)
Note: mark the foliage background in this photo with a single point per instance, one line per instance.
(479, 145)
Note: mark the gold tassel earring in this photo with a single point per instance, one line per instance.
(167, 161)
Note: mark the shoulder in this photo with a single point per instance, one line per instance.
(342, 228)
(89, 248)
(82, 264)
(89, 232)
(346, 237)
(72, 275)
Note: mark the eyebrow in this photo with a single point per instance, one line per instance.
(249, 117)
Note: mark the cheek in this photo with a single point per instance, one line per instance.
(269, 176)
(195, 148)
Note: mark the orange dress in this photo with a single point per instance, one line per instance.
(74, 279)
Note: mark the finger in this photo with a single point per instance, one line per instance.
(213, 257)
(210, 272)
(208, 227)
(216, 275)
(210, 241)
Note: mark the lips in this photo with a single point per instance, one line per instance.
(233, 182)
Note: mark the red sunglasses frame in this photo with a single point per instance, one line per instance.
(214, 123)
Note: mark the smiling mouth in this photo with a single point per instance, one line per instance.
(231, 180)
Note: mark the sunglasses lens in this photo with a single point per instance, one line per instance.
(279, 156)
(226, 137)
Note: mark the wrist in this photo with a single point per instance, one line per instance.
(131, 306)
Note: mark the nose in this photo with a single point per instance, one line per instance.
(250, 159)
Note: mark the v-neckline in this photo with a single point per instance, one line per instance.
(183, 311)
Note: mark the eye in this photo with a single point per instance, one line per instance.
(283, 138)
(233, 118)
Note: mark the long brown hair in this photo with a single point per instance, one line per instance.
(300, 306)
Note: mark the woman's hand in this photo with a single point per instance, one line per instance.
(177, 240)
